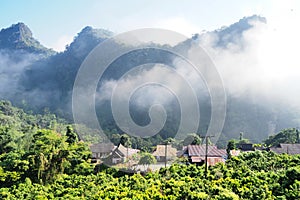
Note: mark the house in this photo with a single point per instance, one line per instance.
(245, 147)
(196, 154)
(121, 154)
(161, 152)
(101, 150)
(291, 149)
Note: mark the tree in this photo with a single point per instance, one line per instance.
(47, 155)
(71, 135)
(5, 139)
(231, 145)
(147, 159)
(78, 159)
(125, 140)
(142, 144)
(115, 138)
(169, 141)
(243, 140)
(10, 138)
(241, 136)
(192, 139)
(284, 136)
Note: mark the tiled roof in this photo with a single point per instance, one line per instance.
(160, 151)
(199, 150)
(291, 149)
(123, 150)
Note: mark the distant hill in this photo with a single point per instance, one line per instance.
(47, 81)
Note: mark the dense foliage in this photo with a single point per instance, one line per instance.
(256, 175)
(42, 158)
(290, 135)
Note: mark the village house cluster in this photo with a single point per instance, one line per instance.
(194, 154)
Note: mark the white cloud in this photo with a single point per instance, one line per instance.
(61, 43)
(268, 67)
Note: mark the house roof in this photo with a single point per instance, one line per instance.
(102, 147)
(160, 151)
(291, 149)
(122, 151)
(199, 150)
(245, 147)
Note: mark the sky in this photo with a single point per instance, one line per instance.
(55, 23)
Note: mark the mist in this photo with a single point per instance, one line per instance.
(12, 66)
(262, 65)
(258, 66)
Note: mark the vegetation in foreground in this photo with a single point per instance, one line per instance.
(256, 175)
(41, 158)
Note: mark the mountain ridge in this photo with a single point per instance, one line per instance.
(231, 34)
(19, 37)
(87, 39)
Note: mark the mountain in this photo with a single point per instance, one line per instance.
(18, 50)
(48, 82)
(232, 34)
(52, 78)
(19, 37)
(86, 40)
